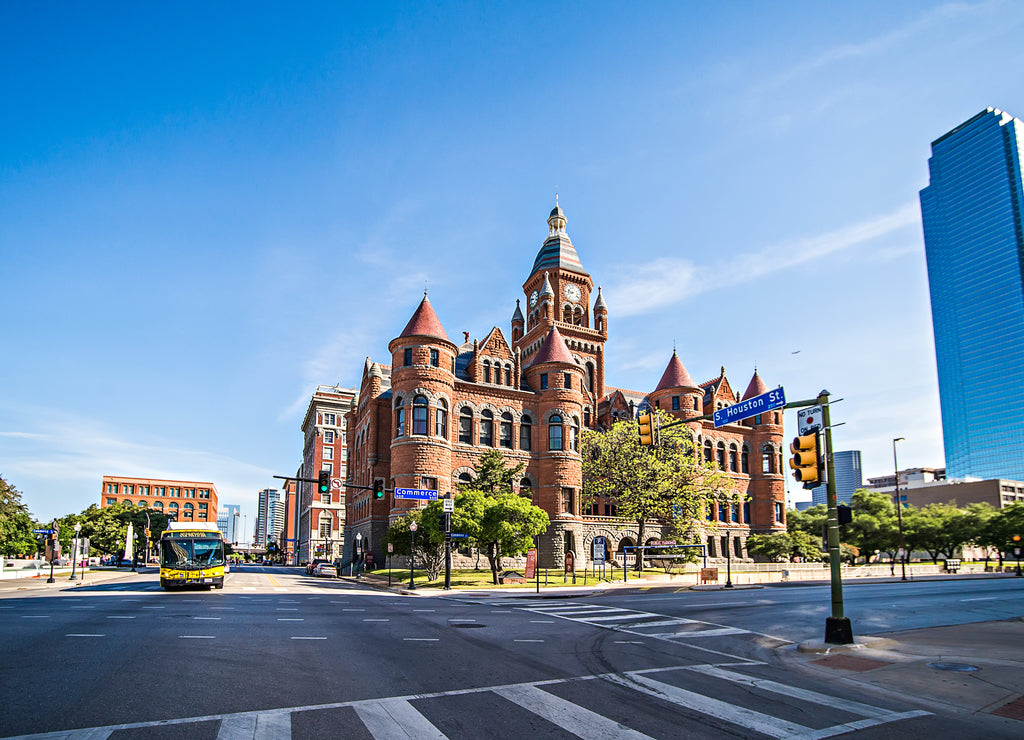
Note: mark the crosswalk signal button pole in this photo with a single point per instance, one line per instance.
(646, 423)
(806, 460)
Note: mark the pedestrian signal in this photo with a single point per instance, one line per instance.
(806, 460)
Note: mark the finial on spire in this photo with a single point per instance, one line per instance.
(424, 288)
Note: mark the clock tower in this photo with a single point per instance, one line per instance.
(559, 294)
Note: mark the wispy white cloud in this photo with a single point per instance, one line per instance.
(23, 435)
(647, 288)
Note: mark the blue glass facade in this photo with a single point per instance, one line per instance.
(974, 246)
(849, 478)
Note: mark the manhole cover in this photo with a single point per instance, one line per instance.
(960, 667)
(467, 625)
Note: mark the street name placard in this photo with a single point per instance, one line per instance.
(773, 399)
(419, 494)
(44, 531)
(456, 535)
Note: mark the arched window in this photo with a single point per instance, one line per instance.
(577, 316)
(505, 432)
(158, 504)
(746, 512)
(709, 454)
(487, 428)
(733, 467)
(419, 415)
(466, 426)
(720, 455)
(526, 488)
(441, 419)
(526, 433)
(586, 417)
(487, 371)
(465, 479)
(574, 434)
(399, 418)
(325, 525)
(187, 513)
(590, 377)
(745, 460)
(767, 460)
(508, 375)
(555, 432)
(567, 314)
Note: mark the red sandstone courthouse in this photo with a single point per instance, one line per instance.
(424, 420)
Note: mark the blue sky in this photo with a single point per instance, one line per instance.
(208, 209)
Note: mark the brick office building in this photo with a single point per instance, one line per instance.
(318, 520)
(424, 420)
(187, 501)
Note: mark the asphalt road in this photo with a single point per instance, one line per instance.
(277, 654)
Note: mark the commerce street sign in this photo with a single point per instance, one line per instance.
(420, 494)
(773, 399)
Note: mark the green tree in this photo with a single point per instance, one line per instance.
(874, 527)
(1003, 525)
(806, 546)
(16, 524)
(811, 520)
(668, 482)
(938, 529)
(492, 477)
(775, 547)
(978, 516)
(504, 524)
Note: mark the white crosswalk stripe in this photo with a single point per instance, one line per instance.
(399, 716)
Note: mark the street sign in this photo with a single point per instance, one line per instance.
(809, 419)
(419, 494)
(663, 543)
(459, 534)
(598, 550)
(448, 505)
(336, 484)
(773, 399)
(44, 531)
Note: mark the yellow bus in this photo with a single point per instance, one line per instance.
(191, 553)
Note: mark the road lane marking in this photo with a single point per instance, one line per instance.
(286, 609)
(309, 638)
(416, 610)
(197, 637)
(396, 719)
(83, 634)
(290, 619)
(420, 639)
(118, 616)
(542, 621)
(527, 641)
(376, 620)
(263, 726)
(983, 598)
(273, 581)
(353, 610)
(571, 717)
(691, 700)
(38, 616)
(74, 607)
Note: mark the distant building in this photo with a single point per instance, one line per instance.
(320, 518)
(286, 539)
(848, 479)
(265, 510)
(922, 486)
(186, 501)
(972, 211)
(228, 522)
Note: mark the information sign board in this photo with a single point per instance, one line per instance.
(598, 551)
(773, 399)
(419, 494)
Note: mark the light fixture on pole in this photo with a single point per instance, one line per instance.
(899, 510)
(412, 557)
(359, 550)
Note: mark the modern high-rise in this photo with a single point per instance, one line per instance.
(849, 477)
(972, 211)
(265, 514)
(229, 522)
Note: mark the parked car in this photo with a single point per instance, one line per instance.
(313, 563)
(325, 569)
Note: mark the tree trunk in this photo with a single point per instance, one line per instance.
(494, 559)
(640, 541)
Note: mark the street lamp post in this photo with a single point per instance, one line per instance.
(412, 557)
(899, 510)
(358, 551)
(74, 551)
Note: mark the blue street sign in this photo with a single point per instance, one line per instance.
(44, 531)
(459, 534)
(751, 407)
(420, 494)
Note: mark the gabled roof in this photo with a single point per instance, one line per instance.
(553, 350)
(424, 322)
(675, 375)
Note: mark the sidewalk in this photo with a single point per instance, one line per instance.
(62, 581)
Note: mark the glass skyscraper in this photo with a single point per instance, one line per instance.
(972, 211)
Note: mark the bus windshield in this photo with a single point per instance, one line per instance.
(190, 553)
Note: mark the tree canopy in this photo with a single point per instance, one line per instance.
(16, 523)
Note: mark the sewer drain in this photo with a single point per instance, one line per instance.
(959, 667)
(466, 625)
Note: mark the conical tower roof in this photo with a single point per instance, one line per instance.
(424, 322)
(599, 304)
(518, 314)
(554, 349)
(675, 375)
(756, 387)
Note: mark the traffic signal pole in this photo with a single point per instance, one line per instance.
(838, 630)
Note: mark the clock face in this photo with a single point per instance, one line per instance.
(533, 299)
(572, 292)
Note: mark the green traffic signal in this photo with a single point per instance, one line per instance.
(324, 481)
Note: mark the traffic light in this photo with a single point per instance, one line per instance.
(324, 481)
(646, 422)
(378, 490)
(806, 460)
